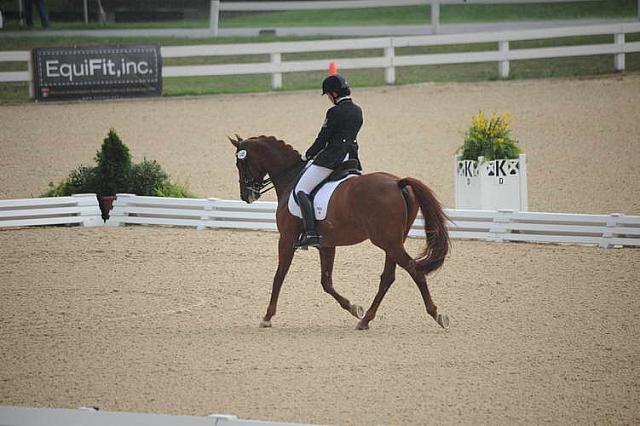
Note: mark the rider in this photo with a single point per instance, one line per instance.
(335, 144)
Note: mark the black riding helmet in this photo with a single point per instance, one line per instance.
(336, 83)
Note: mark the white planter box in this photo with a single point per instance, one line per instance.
(491, 185)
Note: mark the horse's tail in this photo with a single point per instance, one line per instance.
(435, 226)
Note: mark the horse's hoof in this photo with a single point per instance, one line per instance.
(357, 311)
(362, 326)
(265, 324)
(443, 320)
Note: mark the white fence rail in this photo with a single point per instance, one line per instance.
(26, 416)
(196, 212)
(504, 225)
(390, 59)
(79, 209)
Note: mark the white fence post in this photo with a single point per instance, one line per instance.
(118, 212)
(503, 66)
(209, 207)
(618, 59)
(524, 187)
(435, 16)
(86, 12)
(89, 210)
(21, 14)
(390, 70)
(499, 227)
(612, 222)
(276, 77)
(214, 17)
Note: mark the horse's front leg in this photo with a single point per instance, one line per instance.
(285, 256)
(327, 256)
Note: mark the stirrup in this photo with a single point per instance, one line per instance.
(306, 241)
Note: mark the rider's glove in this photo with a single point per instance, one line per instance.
(303, 157)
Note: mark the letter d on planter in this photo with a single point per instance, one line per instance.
(467, 184)
(491, 185)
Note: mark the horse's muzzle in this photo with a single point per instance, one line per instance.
(249, 195)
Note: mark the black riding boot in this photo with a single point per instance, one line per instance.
(309, 237)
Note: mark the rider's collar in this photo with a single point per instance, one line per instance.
(344, 98)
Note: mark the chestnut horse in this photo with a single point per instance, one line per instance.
(376, 206)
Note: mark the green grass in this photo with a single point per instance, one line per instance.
(542, 11)
(14, 93)
(404, 15)
(449, 14)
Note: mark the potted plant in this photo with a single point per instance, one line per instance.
(115, 173)
(112, 172)
(490, 168)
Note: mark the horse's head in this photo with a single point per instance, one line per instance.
(251, 171)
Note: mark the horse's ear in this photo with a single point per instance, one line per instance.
(234, 142)
(239, 138)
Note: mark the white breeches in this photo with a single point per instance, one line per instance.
(311, 178)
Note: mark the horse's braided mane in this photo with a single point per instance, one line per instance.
(279, 143)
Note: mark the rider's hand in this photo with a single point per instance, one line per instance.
(303, 157)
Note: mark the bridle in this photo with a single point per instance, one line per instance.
(250, 183)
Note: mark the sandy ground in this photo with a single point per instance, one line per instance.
(164, 320)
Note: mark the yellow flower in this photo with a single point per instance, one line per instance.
(479, 121)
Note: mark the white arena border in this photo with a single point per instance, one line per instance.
(612, 230)
(27, 416)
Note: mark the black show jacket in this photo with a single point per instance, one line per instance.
(337, 138)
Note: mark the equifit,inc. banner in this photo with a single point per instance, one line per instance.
(97, 72)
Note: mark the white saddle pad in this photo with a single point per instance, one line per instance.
(320, 201)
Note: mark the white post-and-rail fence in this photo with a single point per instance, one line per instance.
(28, 416)
(504, 225)
(78, 209)
(390, 59)
(218, 6)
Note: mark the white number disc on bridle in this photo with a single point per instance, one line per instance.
(242, 154)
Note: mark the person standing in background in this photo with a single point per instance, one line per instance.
(42, 11)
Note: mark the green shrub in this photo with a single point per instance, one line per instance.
(176, 190)
(490, 138)
(114, 166)
(81, 180)
(146, 176)
(115, 173)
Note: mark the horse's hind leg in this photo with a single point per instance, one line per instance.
(406, 262)
(386, 279)
(327, 256)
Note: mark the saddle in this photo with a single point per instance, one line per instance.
(348, 167)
